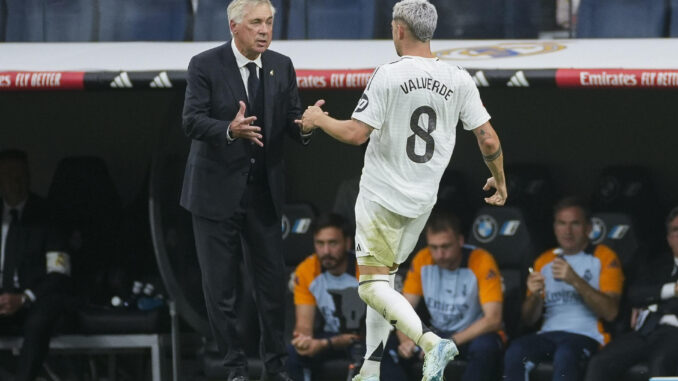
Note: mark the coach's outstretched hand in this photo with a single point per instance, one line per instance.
(499, 197)
(242, 127)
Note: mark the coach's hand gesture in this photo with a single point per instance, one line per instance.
(241, 127)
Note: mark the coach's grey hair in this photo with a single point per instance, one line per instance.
(420, 16)
(237, 8)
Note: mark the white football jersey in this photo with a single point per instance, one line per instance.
(414, 105)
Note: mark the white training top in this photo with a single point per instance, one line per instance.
(414, 105)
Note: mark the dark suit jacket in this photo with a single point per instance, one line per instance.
(647, 290)
(37, 236)
(216, 171)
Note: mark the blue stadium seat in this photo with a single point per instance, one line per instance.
(469, 19)
(3, 20)
(673, 30)
(337, 19)
(69, 20)
(296, 20)
(621, 18)
(148, 20)
(24, 21)
(296, 232)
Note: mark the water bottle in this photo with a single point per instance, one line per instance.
(131, 302)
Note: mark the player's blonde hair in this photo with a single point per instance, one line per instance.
(420, 16)
(237, 8)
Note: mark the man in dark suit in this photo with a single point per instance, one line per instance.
(655, 321)
(241, 99)
(34, 273)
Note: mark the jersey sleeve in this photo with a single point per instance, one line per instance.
(371, 108)
(611, 274)
(303, 276)
(473, 114)
(487, 273)
(412, 284)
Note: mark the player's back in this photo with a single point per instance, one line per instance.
(414, 104)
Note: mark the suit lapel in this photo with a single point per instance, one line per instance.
(268, 74)
(232, 74)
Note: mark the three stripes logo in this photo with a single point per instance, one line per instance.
(161, 81)
(480, 80)
(518, 80)
(121, 81)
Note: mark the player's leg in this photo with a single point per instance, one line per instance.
(379, 242)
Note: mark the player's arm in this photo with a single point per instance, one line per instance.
(490, 147)
(490, 322)
(350, 131)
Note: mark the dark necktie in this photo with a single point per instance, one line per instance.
(10, 249)
(674, 273)
(252, 84)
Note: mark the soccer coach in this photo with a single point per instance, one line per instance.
(240, 101)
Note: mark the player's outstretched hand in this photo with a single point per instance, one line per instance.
(242, 127)
(499, 197)
(307, 123)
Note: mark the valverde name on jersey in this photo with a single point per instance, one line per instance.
(426, 83)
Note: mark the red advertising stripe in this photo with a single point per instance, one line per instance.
(616, 78)
(333, 79)
(41, 80)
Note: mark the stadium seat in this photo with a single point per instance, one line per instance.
(452, 197)
(69, 20)
(3, 20)
(521, 18)
(621, 18)
(506, 235)
(673, 23)
(296, 232)
(24, 21)
(531, 188)
(337, 19)
(87, 207)
(150, 20)
(459, 19)
(630, 190)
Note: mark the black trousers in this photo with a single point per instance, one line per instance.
(36, 324)
(659, 349)
(254, 227)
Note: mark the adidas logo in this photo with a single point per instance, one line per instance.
(480, 80)
(161, 81)
(121, 81)
(518, 80)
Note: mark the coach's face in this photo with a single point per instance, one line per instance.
(254, 33)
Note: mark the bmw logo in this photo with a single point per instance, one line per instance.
(598, 230)
(484, 228)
